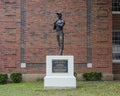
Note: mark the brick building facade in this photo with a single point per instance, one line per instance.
(27, 36)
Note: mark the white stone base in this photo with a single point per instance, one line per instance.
(60, 79)
(60, 82)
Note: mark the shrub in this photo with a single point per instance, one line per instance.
(16, 77)
(92, 76)
(3, 78)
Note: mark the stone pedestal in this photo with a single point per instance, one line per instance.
(59, 72)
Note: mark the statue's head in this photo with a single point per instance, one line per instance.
(59, 15)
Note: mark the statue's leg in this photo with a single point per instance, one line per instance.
(61, 43)
(58, 40)
(61, 51)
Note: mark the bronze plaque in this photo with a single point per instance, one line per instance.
(59, 66)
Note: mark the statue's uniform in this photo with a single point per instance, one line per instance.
(58, 26)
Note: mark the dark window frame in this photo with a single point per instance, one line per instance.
(116, 6)
(116, 46)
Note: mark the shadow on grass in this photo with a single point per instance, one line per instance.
(54, 89)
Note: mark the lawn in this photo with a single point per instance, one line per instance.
(84, 88)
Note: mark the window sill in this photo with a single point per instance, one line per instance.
(116, 61)
(115, 12)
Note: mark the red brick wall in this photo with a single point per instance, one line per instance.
(9, 35)
(102, 35)
(116, 21)
(41, 39)
(116, 68)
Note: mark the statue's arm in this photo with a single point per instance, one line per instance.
(63, 22)
(54, 27)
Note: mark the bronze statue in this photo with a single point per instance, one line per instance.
(58, 27)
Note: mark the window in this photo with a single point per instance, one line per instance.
(116, 46)
(116, 5)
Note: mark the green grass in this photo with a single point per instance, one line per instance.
(84, 88)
